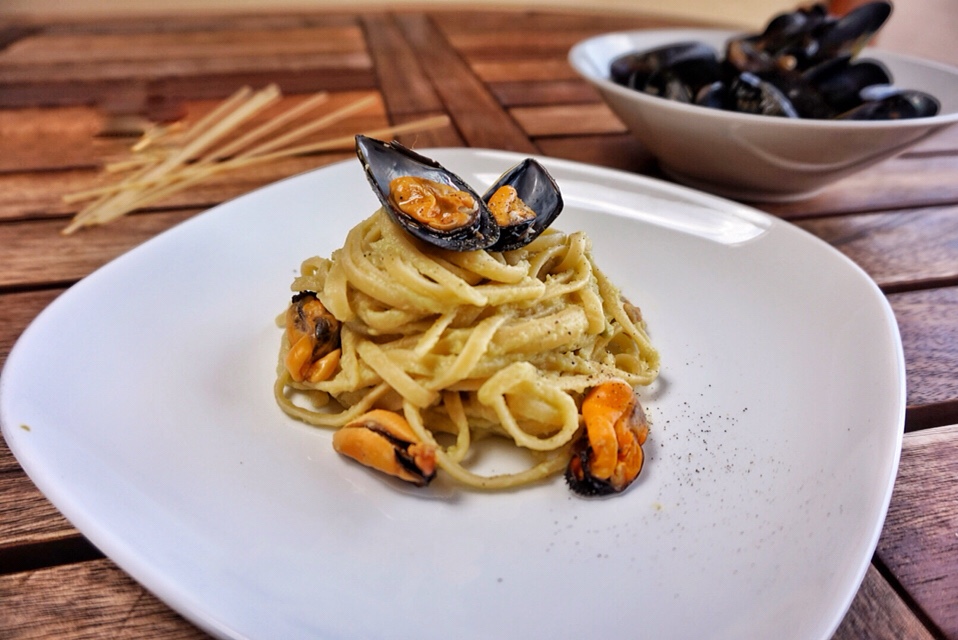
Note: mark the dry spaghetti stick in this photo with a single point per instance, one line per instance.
(83, 214)
(223, 152)
(245, 111)
(212, 157)
(124, 198)
(304, 107)
(325, 121)
(153, 189)
(343, 142)
(225, 107)
(334, 143)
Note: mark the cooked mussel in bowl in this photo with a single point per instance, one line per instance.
(804, 64)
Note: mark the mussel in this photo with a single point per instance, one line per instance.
(313, 336)
(427, 200)
(883, 102)
(438, 207)
(608, 456)
(674, 71)
(524, 201)
(802, 65)
(384, 441)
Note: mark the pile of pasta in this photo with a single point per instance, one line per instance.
(467, 345)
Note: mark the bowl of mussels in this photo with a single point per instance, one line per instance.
(770, 116)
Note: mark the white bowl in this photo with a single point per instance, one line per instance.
(758, 157)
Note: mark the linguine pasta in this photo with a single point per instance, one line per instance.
(469, 344)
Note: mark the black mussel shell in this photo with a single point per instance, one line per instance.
(848, 34)
(383, 161)
(746, 55)
(785, 30)
(682, 80)
(750, 94)
(884, 102)
(539, 191)
(578, 473)
(840, 85)
(803, 64)
(634, 69)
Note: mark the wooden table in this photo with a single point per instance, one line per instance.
(67, 89)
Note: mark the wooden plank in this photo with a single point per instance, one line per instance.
(524, 94)
(28, 195)
(26, 516)
(943, 142)
(919, 544)
(222, 85)
(517, 42)
(10, 34)
(442, 137)
(122, 69)
(39, 196)
(476, 113)
(29, 245)
(612, 151)
(188, 21)
(550, 69)
(878, 613)
(17, 310)
(929, 334)
(39, 139)
(903, 182)
(46, 93)
(900, 249)
(86, 600)
(532, 21)
(404, 85)
(49, 49)
(566, 120)
(71, 137)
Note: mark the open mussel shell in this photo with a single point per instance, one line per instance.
(384, 161)
(537, 189)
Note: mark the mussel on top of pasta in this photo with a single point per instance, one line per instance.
(448, 317)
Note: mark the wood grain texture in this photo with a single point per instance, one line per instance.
(87, 600)
(87, 49)
(17, 311)
(405, 87)
(26, 516)
(42, 139)
(30, 245)
(522, 94)
(564, 120)
(50, 68)
(898, 249)
(479, 118)
(878, 613)
(926, 320)
(612, 151)
(902, 182)
(920, 544)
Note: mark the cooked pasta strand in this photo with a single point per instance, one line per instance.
(473, 344)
